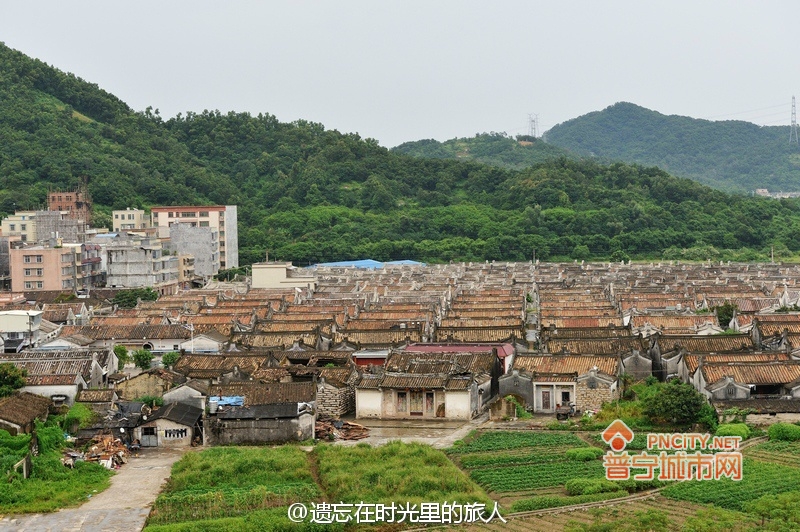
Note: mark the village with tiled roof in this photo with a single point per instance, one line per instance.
(432, 342)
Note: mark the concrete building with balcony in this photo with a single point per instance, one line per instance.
(20, 329)
(221, 218)
(57, 266)
(138, 263)
(130, 220)
(202, 243)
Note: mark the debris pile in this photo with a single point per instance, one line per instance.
(335, 429)
(106, 449)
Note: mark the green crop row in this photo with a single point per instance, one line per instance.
(498, 441)
(535, 476)
(758, 479)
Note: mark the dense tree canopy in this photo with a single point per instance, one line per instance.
(728, 155)
(307, 194)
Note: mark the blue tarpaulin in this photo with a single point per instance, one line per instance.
(232, 400)
(368, 264)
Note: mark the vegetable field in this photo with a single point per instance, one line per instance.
(758, 479)
(530, 465)
(776, 452)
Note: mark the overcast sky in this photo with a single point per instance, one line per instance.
(408, 70)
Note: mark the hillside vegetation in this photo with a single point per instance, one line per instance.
(495, 149)
(308, 194)
(728, 155)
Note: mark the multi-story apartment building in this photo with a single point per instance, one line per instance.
(130, 219)
(41, 226)
(56, 267)
(221, 218)
(202, 243)
(75, 203)
(21, 224)
(138, 263)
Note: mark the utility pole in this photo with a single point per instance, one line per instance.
(793, 130)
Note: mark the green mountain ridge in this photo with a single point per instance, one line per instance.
(735, 156)
(307, 194)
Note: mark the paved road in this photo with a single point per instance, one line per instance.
(124, 506)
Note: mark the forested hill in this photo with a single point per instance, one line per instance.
(495, 149)
(308, 194)
(727, 155)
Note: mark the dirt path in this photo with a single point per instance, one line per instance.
(123, 506)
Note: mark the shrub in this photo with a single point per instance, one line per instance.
(584, 454)
(142, 358)
(589, 486)
(733, 429)
(784, 431)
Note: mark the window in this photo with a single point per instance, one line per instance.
(116, 216)
(39, 284)
(155, 216)
(402, 402)
(28, 285)
(66, 257)
(24, 238)
(130, 217)
(28, 272)
(39, 272)
(188, 215)
(23, 227)
(731, 391)
(169, 215)
(564, 398)
(69, 198)
(12, 227)
(204, 223)
(27, 259)
(203, 214)
(148, 431)
(222, 235)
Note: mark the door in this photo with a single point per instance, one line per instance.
(149, 437)
(546, 400)
(416, 403)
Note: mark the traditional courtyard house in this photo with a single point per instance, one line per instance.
(428, 386)
(333, 372)
(633, 352)
(66, 313)
(668, 350)
(62, 373)
(175, 425)
(261, 413)
(18, 412)
(280, 336)
(648, 325)
(155, 338)
(59, 389)
(370, 357)
(748, 380)
(151, 383)
(545, 382)
(100, 401)
(503, 351)
(212, 368)
(193, 391)
(772, 333)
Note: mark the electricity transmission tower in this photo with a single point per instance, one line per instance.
(793, 131)
(533, 125)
